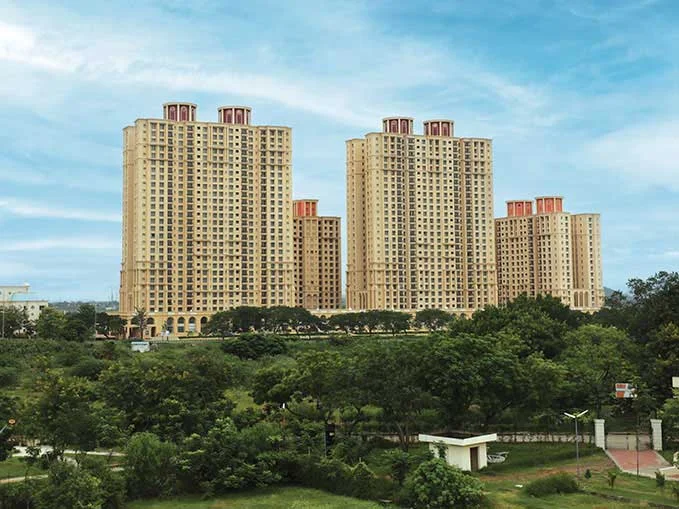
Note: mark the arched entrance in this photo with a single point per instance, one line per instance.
(151, 325)
(203, 323)
(180, 325)
(192, 324)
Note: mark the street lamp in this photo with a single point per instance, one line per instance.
(577, 448)
(7, 296)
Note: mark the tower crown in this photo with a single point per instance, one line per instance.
(549, 204)
(182, 112)
(234, 115)
(397, 125)
(519, 208)
(438, 127)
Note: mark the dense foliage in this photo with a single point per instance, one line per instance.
(258, 408)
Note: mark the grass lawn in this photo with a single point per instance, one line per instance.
(14, 467)
(522, 456)
(527, 462)
(274, 498)
(631, 486)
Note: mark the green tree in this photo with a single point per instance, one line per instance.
(669, 413)
(254, 345)
(228, 459)
(247, 318)
(435, 485)
(595, 358)
(394, 321)
(391, 376)
(140, 319)
(52, 324)
(538, 323)
(656, 302)
(70, 486)
(170, 398)
(111, 326)
(432, 319)
(150, 468)
(16, 322)
(219, 325)
(659, 360)
(346, 322)
(63, 416)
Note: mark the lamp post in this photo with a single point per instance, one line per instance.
(575, 417)
(7, 296)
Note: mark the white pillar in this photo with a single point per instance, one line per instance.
(656, 428)
(599, 433)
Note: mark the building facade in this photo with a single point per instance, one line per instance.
(207, 216)
(549, 252)
(420, 219)
(20, 297)
(317, 257)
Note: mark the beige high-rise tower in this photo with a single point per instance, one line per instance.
(420, 219)
(207, 216)
(317, 257)
(550, 252)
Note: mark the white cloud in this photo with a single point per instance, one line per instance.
(645, 154)
(336, 75)
(69, 243)
(25, 208)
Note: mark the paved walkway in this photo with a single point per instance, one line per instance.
(650, 462)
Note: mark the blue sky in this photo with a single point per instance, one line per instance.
(581, 98)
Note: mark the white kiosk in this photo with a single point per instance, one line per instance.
(467, 451)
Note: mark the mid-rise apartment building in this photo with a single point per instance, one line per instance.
(420, 228)
(549, 252)
(317, 257)
(207, 216)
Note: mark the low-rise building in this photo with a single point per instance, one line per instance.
(19, 297)
(467, 451)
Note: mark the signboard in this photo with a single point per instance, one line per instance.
(675, 382)
(624, 390)
(140, 346)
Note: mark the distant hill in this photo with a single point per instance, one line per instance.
(608, 291)
(71, 306)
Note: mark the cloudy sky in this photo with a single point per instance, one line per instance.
(581, 98)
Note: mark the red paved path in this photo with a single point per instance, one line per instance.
(649, 462)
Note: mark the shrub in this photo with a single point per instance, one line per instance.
(612, 475)
(551, 485)
(362, 481)
(112, 483)
(399, 465)
(19, 495)
(350, 449)
(70, 486)
(227, 458)
(337, 340)
(436, 485)
(334, 476)
(9, 376)
(659, 480)
(254, 346)
(88, 368)
(675, 490)
(149, 466)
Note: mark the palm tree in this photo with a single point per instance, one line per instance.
(140, 318)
